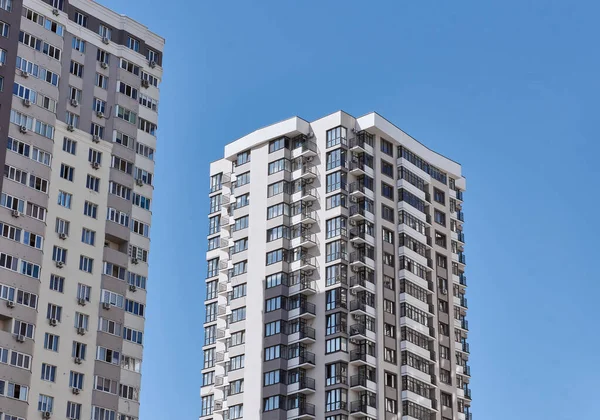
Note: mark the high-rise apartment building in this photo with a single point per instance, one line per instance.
(335, 286)
(78, 117)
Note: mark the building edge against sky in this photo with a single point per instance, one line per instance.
(335, 283)
(80, 90)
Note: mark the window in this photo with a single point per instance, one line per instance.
(441, 261)
(75, 380)
(125, 114)
(446, 399)
(273, 328)
(78, 350)
(389, 306)
(335, 181)
(282, 209)
(67, 172)
(273, 352)
(439, 196)
(73, 411)
(133, 44)
(132, 335)
(123, 139)
(387, 191)
(444, 352)
(278, 166)
(83, 292)
(391, 406)
(142, 149)
(207, 405)
(101, 81)
(387, 213)
(76, 68)
(335, 227)
(240, 245)
(110, 327)
(59, 254)
(336, 158)
(147, 126)
(88, 236)
(277, 188)
(6, 5)
(103, 57)
(105, 32)
(439, 217)
(72, 119)
(278, 144)
(128, 392)
(387, 147)
(237, 362)
(242, 179)
(119, 190)
(336, 136)
(80, 19)
(112, 298)
(122, 165)
(152, 56)
(389, 355)
(134, 307)
(238, 291)
(78, 44)
(131, 363)
(336, 399)
(335, 200)
(336, 344)
(69, 146)
(75, 94)
(238, 314)
(127, 90)
(242, 158)
(90, 209)
(45, 403)
(48, 373)
(92, 183)
(105, 385)
(51, 342)
(86, 264)
(445, 376)
(99, 105)
(387, 168)
(64, 199)
(236, 412)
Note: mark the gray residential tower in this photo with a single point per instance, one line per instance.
(335, 286)
(78, 117)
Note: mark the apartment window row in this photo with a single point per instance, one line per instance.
(39, 45)
(37, 71)
(414, 267)
(412, 289)
(22, 236)
(26, 122)
(434, 172)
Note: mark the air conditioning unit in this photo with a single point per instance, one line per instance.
(55, 12)
(46, 414)
(78, 360)
(309, 159)
(74, 102)
(145, 83)
(134, 260)
(23, 129)
(308, 226)
(352, 222)
(152, 64)
(444, 291)
(26, 102)
(356, 317)
(15, 213)
(353, 199)
(60, 264)
(132, 287)
(53, 322)
(70, 128)
(96, 138)
(76, 391)
(354, 341)
(24, 74)
(81, 331)
(353, 292)
(139, 182)
(62, 235)
(310, 135)
(95, 165)
(309, 181)
(81, 301)
(20, 338)
(104, 65)
(106, 305)
(10, 303)
(105, 40)
(99, 114)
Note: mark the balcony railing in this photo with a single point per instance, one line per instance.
(459, 195)
(357, 187)
(467, 370)
(358, 142)
(309, 146)
(362, 405)
(306, 332)
(306, 308)
(462, 258)
(461, 237)
(463, 279)
(464, 324)
(361, 279)
(360, 354)
(461, 216)
(309, 194)
(306, 357)
(305, 383)
(463, 301)
(358, 380)
(465, 347)
(357, 210)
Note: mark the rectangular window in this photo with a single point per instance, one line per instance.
(127, 90)
(80, 19)
(76, 68)
(123, 139)
(45, 403)
(90, 210)
(133, 44)
(48, 373)
(76, 380)
(78, 44)
(336, 136)
(86, 264)
(67, 172)
(387, 147)
(69, 146)
(88, 236)
(387, 191)
(73, 411)
(101, 81)
(102, 56)
(92, 183)
(387, 168)
(51, 342)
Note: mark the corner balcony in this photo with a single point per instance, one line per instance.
(359, 236)
(306, 172)
(357, 167)
(364, 407)
(357, 189)
(308, 217)
(362, 383)
(308, 149)
(226, 179)
(357, 213)
(306, 240)
(304, 411)
(361, 307)
(359, 145)
(361, 332)
(361, 357)
(303, 335)
(306, 264)
(224, 288)
(305, 385)
(363, 281)
(301, 285)
(359, 259)
(305, 310)
(305, 360)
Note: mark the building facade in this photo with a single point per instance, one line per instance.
(335, 285)
(78, 118)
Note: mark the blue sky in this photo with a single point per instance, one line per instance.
(509, 89)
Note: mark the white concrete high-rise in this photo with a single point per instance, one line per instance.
(335, 285)
(78, 117)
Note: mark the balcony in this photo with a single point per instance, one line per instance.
(307, 263)
(308, 217)
(463, 301)
(467, 370)
(465, 347)
(305, 360)
(301, 284)
(358, 143)
(305, 240)
(304, 385)
(225, 266)
(357, 212)
(308, 194)
(361, 382)
(467, 392)
(357, 167)
(308, 172)
(359, 236)
(223, 288)
(361, 260)
(358, 189)
(226, 179)
(464, 324)
(460, 216)
(220, 357)
(363, 281)
(462, 258)
(303, 411)
(359, 306)
(305, 310)
(303, 335)
(366, 406)
(361, 357)
(224, 244)
(360, 332)
(461, 237)
(462, 279)
(308, 148)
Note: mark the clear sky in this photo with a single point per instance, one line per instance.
(508, 88)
